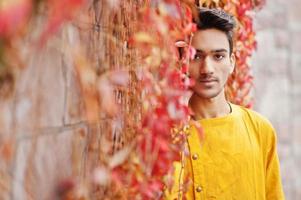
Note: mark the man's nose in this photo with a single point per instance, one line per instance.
(206, 66)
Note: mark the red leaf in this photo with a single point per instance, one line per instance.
(13, 16)
(181, 44)
(59, 14)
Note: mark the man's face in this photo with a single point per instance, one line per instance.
(212, 63)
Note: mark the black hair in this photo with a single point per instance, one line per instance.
(217, 19)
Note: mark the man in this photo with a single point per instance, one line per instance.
(237, 157)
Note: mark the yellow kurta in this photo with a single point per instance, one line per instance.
(236, 159)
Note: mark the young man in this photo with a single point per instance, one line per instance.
(237, 158)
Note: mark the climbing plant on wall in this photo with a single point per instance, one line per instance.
(164, 80)
(140, 79)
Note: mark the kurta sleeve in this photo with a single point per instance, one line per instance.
(273, 185)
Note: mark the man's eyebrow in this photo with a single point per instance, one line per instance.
(220, 51)
(212, 51)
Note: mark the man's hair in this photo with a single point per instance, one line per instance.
(217, 19)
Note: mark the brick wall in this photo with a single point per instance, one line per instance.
(277, 71)
(45, 139)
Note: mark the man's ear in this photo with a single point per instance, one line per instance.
(232, 61)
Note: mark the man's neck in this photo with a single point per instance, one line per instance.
(209, 108)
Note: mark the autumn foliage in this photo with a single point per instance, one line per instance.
(141, 167)
(166, 86)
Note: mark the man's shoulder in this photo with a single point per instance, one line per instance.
(254, 117)
(259, 125)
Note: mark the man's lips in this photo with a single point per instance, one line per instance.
(207, 80)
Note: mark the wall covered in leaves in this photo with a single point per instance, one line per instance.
(92, 93)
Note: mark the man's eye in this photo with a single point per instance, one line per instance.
(218, 57)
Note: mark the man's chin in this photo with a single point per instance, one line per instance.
(205, 95)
